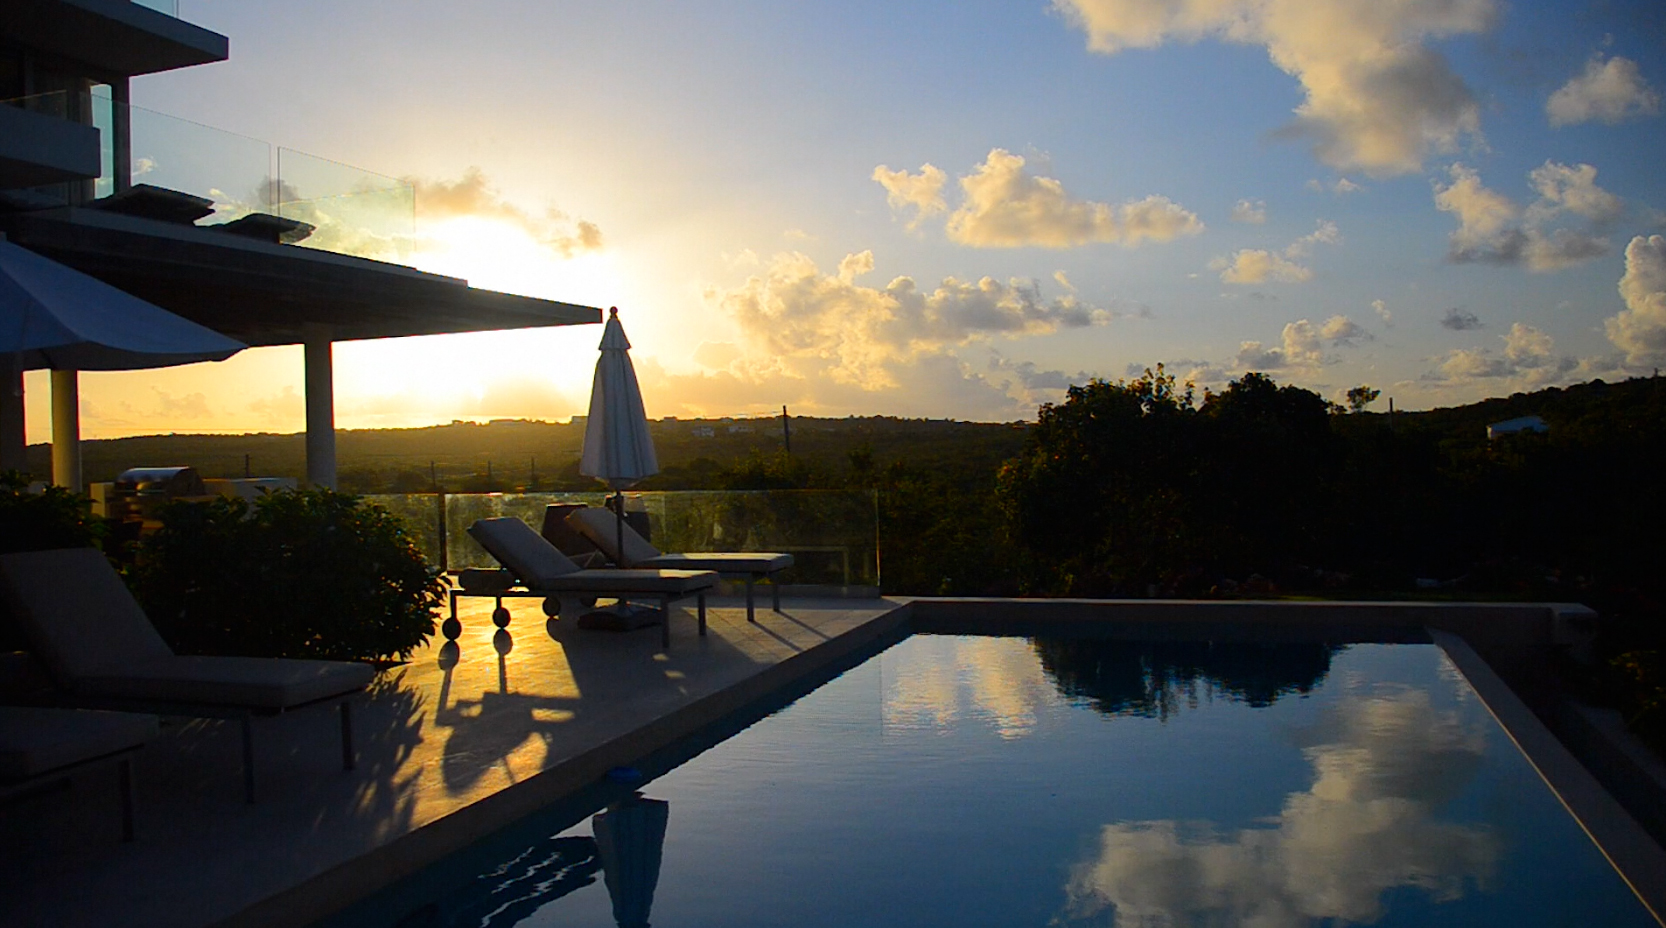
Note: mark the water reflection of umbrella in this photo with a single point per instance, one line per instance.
(617, 448)
(57, 317)
(630, 837)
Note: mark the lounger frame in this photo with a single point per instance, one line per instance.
(454, 627)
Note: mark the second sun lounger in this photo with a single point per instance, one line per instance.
(544, 571)
(601, 528)
(103, 653)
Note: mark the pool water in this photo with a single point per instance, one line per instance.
(971, 781)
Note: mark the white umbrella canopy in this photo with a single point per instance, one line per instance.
(617, 447)
(56, 317)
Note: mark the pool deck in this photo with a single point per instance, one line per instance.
(460, 742)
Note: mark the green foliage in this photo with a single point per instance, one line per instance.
(300, 573)
(53, 518)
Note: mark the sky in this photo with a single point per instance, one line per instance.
(956, 210)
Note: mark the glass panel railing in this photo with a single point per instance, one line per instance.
(832, 534)
(170, 7)
(352, 211)
(55, 104)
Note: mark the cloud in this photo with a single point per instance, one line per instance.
(472, 195)
(1377, 99)
(716, 355)
(1640, 329)
(1386, 765)
(1340, 330)
(1529, 359)
(831, 325)
(1326, 234)
(1250, 211)
(1573, 189)
(1492, 229)
(923, 191)
(1381, 309)
(1460, 321)
(1609, 91)
(1301, 345)
(1004, 206)
(189, 406)
(1257, 265)
(1341, 187)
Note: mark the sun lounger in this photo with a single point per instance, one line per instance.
(542, 570)
(601, 527)
(39, 746)
(103, 653)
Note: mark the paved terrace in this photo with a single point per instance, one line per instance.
(449, 747)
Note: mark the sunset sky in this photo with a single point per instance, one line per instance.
(957, 209)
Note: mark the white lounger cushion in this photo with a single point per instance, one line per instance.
(601, 527)
(540, 566)
(96, 641)
(34, 741)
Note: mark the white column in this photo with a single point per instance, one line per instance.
(321, 409)
(66, 430)
(13, 447)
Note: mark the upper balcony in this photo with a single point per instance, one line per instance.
(113, 38)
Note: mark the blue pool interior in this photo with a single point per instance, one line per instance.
(1005, 781)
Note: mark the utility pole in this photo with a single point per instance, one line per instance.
(786, 430)
(532, 481)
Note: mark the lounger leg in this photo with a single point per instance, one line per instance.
(249, 759)
(749, 615)
(665, 622)
(702, 600)
(348, 762)
(775, 592)
(124, 768)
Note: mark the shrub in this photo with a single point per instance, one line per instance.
(53, 518)
(300, 573)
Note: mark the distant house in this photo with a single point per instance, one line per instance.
(740, 429)
(1512, 426)
(702, 431)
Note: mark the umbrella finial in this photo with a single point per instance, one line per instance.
(613, 311)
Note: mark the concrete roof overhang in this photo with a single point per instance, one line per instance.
(268, 294)
(113, 36)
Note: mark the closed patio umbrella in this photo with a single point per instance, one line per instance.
(630, 839)
(617, 448)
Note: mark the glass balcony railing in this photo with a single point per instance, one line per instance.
(170, 7)
(352, 211)
(832, 534)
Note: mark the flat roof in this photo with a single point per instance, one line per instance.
(114, 36)
(267, 294)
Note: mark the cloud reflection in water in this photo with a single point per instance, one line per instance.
(1384, 764)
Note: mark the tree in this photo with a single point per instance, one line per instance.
(1362, 396)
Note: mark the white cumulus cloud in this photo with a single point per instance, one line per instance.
(922, 192)
(1378, 99)
(1257, 265)
(1005, 206)
(1640, 329)
(1493, 229)
(1529, 360)
(1610, 91)
(1253, 212)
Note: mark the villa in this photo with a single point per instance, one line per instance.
(1056, 761)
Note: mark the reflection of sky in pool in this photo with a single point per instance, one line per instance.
(994, 781)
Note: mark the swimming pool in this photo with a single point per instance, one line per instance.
(967, 780)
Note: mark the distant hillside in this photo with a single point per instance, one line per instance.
(513, 454)
(503, 454)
